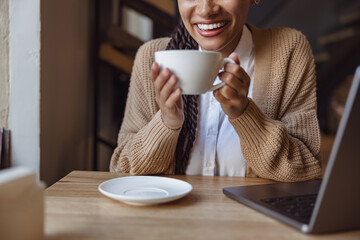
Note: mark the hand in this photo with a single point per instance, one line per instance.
(168, 99)
(233, 95)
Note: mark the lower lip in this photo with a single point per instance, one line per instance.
(210, 33)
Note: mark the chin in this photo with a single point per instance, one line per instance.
(209, 46)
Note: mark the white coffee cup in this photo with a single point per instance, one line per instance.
(195, 70)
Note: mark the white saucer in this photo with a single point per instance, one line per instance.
(145, 190)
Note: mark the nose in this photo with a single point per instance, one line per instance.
(207, 8)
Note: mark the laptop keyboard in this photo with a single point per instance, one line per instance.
(299, 207)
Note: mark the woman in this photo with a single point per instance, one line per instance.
(261, 123)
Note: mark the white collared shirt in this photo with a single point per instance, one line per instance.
(216, 150)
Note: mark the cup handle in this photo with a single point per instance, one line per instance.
(219, 85)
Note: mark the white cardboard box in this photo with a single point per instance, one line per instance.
(21, 205)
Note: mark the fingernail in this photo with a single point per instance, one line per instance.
(153, 66)
(165, 72)
(172, 80)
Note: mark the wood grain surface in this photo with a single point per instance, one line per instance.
(75, 209)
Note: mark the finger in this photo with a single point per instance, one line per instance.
(174, 97)
(220, 97)
(235, 57)
(229, 93)
(168, 88)
(155, 70)
(231, 80)
(229, 103)
(161, 79)
(234, 94)
(238, 72)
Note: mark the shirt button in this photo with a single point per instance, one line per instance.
(211, 131)
(208, 164)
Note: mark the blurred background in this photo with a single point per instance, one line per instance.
(86, 52)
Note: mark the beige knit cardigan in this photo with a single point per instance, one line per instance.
(279, 130)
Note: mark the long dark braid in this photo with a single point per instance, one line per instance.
(181, 39)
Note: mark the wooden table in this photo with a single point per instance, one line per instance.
(74, 209)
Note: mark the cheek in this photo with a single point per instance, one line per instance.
(185, 8)
(242, 11)
(241, 18)
(187, 23)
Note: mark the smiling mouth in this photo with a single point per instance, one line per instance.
(211, 26)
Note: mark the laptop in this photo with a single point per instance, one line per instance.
(318, 206)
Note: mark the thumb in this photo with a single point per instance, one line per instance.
(234, 57)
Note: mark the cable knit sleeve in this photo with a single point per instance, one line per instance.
(279, 131)
(145, 144)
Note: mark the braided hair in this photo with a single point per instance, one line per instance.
(181, 39)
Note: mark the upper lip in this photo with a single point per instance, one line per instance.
(210, 21)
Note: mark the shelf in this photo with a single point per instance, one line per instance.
(116, 58)
(154, 9)
(167, 6)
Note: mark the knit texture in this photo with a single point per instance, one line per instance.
(279, 130)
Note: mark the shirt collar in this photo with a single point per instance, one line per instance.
(245, 45)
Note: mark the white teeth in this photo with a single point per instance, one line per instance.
(206, 27)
